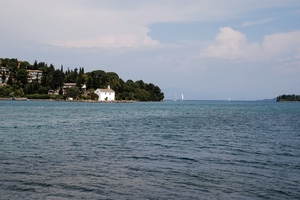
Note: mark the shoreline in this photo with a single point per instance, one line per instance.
(88, 101)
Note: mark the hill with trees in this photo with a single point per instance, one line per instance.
(15, 80)
(288, 97)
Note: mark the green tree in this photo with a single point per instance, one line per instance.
(13, 68)
(21, 76)
(89, 83)
(45, 77)
(31, 88)
(73, 92)
(50, 73)
(18, 92)
(71, 77)
(129, 86)
(24, 65)
(80, 79)
(57, 79)
(140, 84)
(35, 65)
(113, 80)
(42, 64)
(6, 90)
(99, 79)
(10, 81)
(42, 90)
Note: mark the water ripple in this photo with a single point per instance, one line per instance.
(187, 150)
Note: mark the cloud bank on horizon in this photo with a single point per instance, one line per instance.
(207, 50)
(231, 44)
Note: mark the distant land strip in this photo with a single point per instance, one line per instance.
(289, 97)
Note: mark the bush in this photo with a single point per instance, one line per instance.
(38, 96)
(57, 97)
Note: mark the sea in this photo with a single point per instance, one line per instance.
(149, 150)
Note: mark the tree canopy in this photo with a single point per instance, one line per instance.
(288, 97)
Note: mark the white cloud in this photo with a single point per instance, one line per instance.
(282, 46)
(231, 44)
(113, 40)
(250, 23)
(110, 24)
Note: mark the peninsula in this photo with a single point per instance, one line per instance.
(40, 81)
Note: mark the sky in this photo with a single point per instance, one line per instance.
(207, 50)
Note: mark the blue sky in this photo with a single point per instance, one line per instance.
(243, 50)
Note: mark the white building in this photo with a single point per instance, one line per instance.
(105, 94)
(6, 72)
(34, 75)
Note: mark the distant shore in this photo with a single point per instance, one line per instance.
(89, 101)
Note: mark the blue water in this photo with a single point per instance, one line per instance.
(167, 150)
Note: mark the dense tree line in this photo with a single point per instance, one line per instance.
(53, 79)
(288, 97)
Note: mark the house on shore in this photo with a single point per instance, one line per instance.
(105, 94)
(66, 87)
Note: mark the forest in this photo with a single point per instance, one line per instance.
(15, 82)
(288, 97)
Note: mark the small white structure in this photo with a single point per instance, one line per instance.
(83, 87)
(105, 94)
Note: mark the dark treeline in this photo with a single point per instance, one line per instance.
(15, 74)
(288, 97)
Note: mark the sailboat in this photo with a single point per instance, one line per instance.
(175, 98)
(181, 97)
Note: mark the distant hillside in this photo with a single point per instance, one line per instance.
(38, 80)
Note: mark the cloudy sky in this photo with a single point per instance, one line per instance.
(244, 50)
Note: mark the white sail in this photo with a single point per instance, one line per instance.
(182, 98)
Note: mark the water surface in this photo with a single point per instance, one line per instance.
(167, 150)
